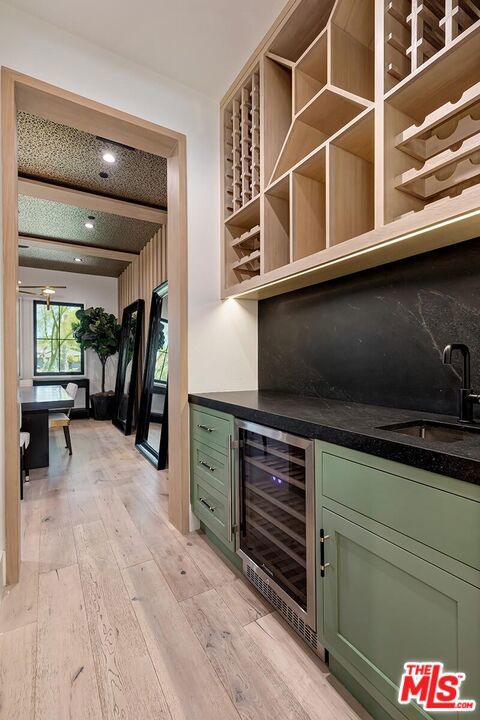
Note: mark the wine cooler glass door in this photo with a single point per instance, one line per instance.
(276, 511)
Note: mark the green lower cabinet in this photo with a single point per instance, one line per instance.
(388, 595)
(214, 510)
(211, 473)
(384, 606)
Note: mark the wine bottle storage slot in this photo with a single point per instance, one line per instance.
(243, 243)
(450, 124)
(416, 30)
(283, 521)
(287, 501)
(462, 15)
(278, 449)
(242, 145)
(276, 536)
(279, 469)
(443, 171)
(444, 151)
(289, 575)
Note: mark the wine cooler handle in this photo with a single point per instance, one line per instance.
(232, 472)
(323, 565)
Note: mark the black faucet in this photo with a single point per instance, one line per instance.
(467, 399)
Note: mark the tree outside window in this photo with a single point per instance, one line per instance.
(56, 352)
(161, 361)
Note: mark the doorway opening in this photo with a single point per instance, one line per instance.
(30, 97)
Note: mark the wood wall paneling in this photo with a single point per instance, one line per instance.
(144, 273)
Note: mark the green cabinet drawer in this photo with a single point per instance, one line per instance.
(211, 465)
(211, 428)
(411, 504)
(213, 509)
(384, 606)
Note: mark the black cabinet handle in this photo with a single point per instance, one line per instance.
(209, 467)
(205, 427)
(212, 508)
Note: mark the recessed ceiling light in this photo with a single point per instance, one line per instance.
(78, 259)
(89, 225)
(103, 175)
(108, 157)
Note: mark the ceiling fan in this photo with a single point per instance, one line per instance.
(45, 291)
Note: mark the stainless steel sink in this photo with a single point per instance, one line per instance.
(437, 432)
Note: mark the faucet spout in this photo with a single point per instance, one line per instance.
(463, 349)
(466, 398)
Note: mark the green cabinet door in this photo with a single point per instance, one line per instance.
(384, 606)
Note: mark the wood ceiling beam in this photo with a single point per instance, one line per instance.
(61, 106)
(77, 248)
(90, 201)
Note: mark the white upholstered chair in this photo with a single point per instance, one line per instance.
(62, 419)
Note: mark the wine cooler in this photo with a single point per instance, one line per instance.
(275, 521)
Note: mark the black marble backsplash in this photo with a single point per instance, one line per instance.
(377, 337)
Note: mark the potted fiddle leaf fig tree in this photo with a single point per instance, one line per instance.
(99, 331)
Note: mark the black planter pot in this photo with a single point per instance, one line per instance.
(102, 405)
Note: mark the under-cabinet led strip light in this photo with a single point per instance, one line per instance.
(372, 248)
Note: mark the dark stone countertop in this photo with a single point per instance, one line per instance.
(352, 425)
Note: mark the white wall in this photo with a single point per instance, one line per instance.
(222, 336)
(91, 290)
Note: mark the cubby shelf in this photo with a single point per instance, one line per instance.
(364, 141)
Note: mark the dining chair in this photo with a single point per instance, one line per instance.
(60, 419)
(25, 382)
(24, 443)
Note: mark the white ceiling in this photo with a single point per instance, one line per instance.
(200, 43)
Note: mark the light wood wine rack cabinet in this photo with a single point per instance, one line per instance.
(351, 138)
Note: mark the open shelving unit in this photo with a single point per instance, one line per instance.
(364, 126)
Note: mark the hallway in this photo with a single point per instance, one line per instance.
(117, 615)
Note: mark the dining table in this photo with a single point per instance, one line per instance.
(37, 401)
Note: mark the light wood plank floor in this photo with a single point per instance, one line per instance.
(117, 615)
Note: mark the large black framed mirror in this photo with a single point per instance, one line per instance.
(152, 427)
(128, 367)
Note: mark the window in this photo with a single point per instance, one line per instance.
(55, 351)
(161, 361)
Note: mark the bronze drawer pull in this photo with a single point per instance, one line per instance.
(209, 467)
(205, 427)
(212, 508)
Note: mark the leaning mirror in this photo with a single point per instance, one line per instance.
(152, 427)
(128, 367)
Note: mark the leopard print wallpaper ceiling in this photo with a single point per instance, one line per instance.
(56, 153)
(47, 219)
(64, 260)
